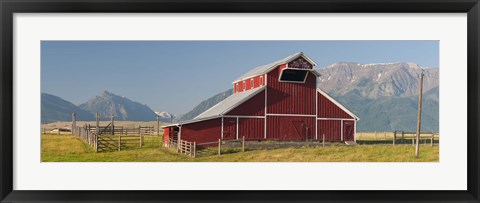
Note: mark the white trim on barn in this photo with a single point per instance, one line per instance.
(266, 96)
(237, 129)
(222, 129)
(305, 115)
(239, 116)
(337, 119)
(355, 131)
(316, 111)
(341, 130)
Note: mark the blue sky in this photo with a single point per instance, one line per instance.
(175, 76)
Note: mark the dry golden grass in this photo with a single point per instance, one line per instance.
(67, 148)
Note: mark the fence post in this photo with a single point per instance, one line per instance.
(58, 131)
(141, 141)
(96, 143)
(190, 148)
(433, 137)
(243, 143)
(219, 146)
(413, 141)
(323, 140)
(194, 149)
(119, 142)
(402, 138)
(97, 124)
(113, 125)
(394, 137)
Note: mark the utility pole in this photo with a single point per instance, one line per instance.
(419, 116)
(158, 125)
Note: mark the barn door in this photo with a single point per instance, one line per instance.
(348, 131)
(299, 130)
(229, 128)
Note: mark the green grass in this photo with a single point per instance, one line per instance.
(66, 148)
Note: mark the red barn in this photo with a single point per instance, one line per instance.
(277, 101)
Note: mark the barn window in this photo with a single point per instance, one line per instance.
(251, 83)
(293, 75)
(261, 80)
(244, 85)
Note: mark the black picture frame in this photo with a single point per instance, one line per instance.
(10, 7)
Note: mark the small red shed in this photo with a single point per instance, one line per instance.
(277, 101)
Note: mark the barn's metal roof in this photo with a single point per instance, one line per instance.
(229, 103)
(266, 68)
(223, 107)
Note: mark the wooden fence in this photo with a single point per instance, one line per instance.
(397, 137)
(183, 147)
(188, 148)
(87, 136)
(105, 142)
(114, 142)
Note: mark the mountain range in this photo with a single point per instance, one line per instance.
(383, 95)
(55, 108)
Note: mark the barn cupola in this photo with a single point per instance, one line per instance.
(294, 69)
(297, 69)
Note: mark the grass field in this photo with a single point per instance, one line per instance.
(67, 148)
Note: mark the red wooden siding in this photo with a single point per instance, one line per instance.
(251, 128)
(166, 136)
(331, 129)
(290, 98)
(202, 131)
(348, 130)
(229, 128)
(327, 109)
(290, 127)
(248, 83)
(255, 106)
(300, 63)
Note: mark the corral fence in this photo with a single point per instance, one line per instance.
(88, 137)
(106, 142)
(110, 137)
(397, 137)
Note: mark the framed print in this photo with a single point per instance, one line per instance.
(239, 101)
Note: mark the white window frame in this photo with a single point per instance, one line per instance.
(304, 79)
